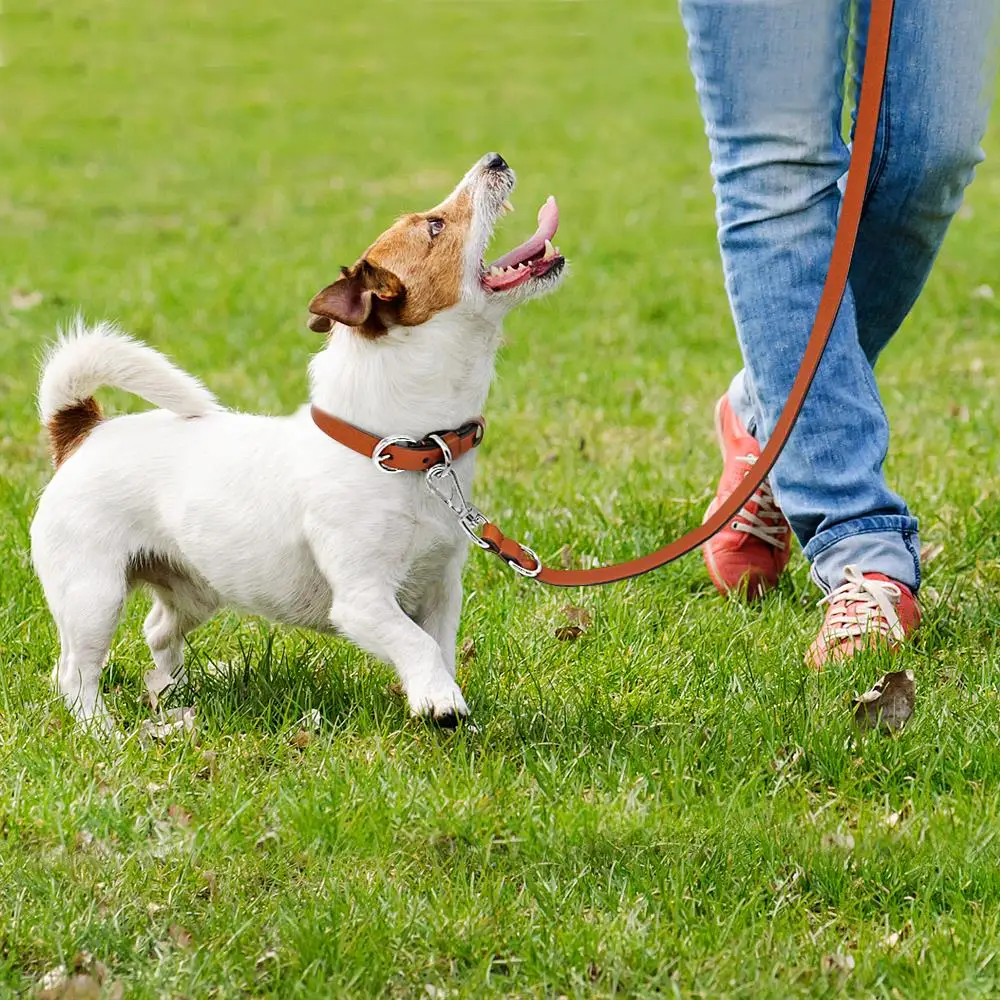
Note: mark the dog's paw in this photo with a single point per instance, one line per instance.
(440, 703)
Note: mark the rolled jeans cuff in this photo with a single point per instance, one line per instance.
(883, 543)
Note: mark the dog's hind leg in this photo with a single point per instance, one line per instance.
(86, 611)
(177, 609)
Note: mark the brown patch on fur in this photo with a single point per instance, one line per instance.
(70, 426)
(405, 277)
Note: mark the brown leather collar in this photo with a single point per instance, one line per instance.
(400, 453)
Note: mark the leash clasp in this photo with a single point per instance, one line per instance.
(442, 481)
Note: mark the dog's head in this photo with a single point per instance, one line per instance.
(432, 261)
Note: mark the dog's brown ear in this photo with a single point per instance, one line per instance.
(359, 298)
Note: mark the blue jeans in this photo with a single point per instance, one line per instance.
(770, 78)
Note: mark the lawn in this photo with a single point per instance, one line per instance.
(671, 805)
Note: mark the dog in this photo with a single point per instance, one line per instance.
(267, 515)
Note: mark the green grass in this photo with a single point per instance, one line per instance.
(670, 806)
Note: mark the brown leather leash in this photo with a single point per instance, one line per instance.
(434, 454)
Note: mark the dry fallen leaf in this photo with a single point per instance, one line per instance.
(177, 720)
(838, 839)
(468, 650)
(180, 937)
(568, 633)
(78, 987)
(577, 616)
(157, 681)
(566, 557)
(208, 890)
(302, 739)
(266, 959)
(891, 940)
(983, 292)
(23, 301)
(889, 704)
(840, 962)
(84, 983)
(208, 765)
(54, 978)
(930, 552)
(266, 838)
(179, 815)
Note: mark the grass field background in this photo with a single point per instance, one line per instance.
(670, 805)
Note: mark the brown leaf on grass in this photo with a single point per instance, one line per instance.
(839, 962)
(78, 987)
(177, 721)
(468, 650)
(179, 815)
(83, 983)
(23, 301)
(208, 890)
(891, 940)
(208, 767)
(302, 739)
(930, 552)
(960, 412)
(838, 839)
(267, 837)
(577, 616)
(269, 957)
(566, 557)
(157, 681)
(889, 704)
(568, 633)
(180, 937)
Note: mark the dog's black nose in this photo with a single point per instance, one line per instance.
(496, 162)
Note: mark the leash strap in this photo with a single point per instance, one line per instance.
(524, 561)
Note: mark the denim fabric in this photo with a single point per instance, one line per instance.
(770, 77)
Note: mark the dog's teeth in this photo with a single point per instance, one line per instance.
(508, 207)
(550, 250)
(494, 271)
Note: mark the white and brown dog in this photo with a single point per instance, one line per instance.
(212, 508)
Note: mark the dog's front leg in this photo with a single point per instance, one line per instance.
(371, 617)
(440, 608)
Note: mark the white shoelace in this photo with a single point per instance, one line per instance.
(859, 607)
(768, 524)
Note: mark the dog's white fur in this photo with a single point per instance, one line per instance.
(266, 514)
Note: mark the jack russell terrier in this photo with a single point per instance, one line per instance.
(268, 515)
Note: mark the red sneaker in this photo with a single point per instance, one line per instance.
(868, 611)
(752, 551)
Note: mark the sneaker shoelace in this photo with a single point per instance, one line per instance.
(768, 524)
(861, 606)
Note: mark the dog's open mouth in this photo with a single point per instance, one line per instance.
(534, 258)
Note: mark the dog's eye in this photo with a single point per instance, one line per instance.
(434, 226)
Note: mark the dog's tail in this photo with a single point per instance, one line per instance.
(83, 360)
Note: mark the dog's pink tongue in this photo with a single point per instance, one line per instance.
(548, 223)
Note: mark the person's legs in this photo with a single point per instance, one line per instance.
(769, 76)
(934, 115)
